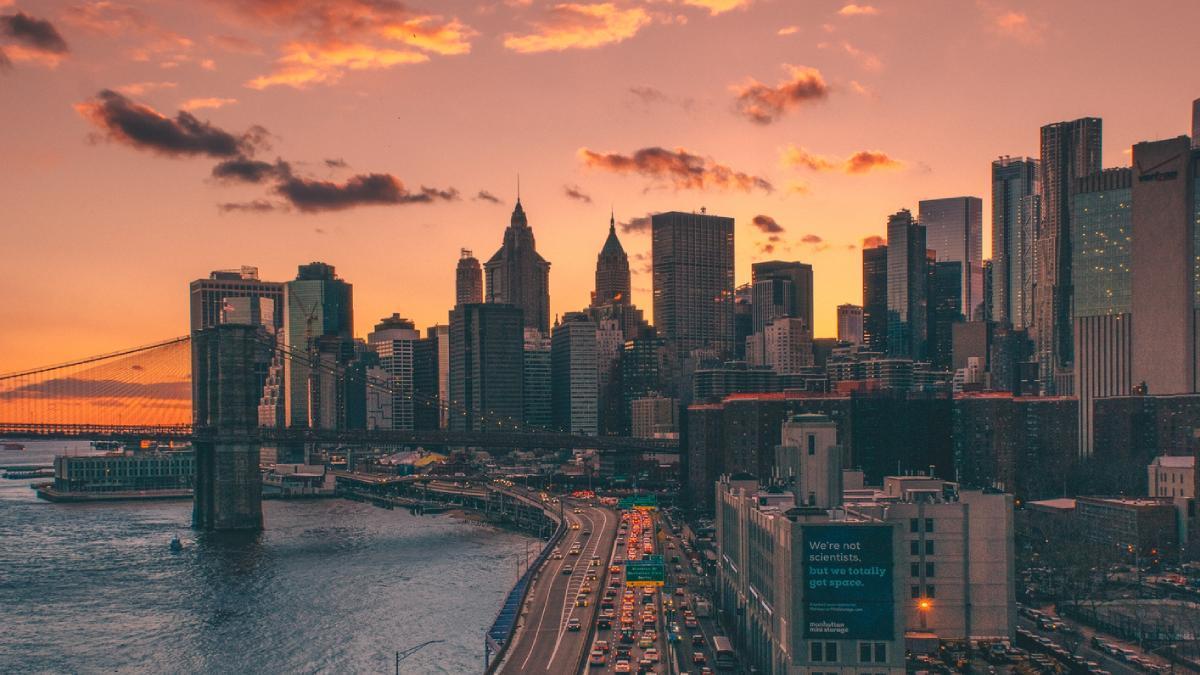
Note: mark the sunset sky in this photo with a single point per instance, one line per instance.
(143, 144)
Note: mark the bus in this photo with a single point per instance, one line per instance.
(723, 653)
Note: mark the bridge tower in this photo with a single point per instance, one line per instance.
(229, 362)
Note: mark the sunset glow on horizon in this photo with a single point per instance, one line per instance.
(148, 143)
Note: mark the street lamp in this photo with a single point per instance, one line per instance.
(923, 606)
(405, 653)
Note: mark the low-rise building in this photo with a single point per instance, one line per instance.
(818, 573)
(1172, 476)
(125, 472)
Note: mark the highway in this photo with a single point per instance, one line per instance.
(542, 642)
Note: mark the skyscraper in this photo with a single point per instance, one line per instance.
(781, 289)
(212, 303)
(875, 295)
(850, 324)
(907, 284)
(486, 367)
(431, 378)
(693, 281)
(612, 271)
(1165, 295)
(318, 327)
(1013, 179)
(1070, 150)
(393, 340)
(539, 402)
(573, 375)
(945, 310)
(954, 231)
(468, 279)
(1102, 229)
(517, 275)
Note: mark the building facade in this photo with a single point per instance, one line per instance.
(875, 297)
(1102, 331)
(394, 339)
(954, 231)
(907, 284)
(693, 281)
(486, 367)
(575, 389)
(538, 379)
(468, 279)
(1165, 288)
(612, 271)
(318, 328)
(850, 324)
(1014, 179)
(518, 275)
(781, 289)
(1070, 150)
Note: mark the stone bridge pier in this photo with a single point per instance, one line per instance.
(229, 362)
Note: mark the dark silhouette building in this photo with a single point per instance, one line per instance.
(945, 310)
(486, 367)
(612, 271)
(907, 286)
(781, 289)
(875, 321)
(468, 279)
(517, 275)
(693, 281)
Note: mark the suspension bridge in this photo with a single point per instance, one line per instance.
(145, 394)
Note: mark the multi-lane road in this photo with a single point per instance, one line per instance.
(544, 642)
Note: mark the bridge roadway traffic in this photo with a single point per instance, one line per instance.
(542, 643)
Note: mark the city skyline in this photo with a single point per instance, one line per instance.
(87, 202)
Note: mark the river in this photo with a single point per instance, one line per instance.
(329, 586)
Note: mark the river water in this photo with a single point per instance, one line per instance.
(329, 586)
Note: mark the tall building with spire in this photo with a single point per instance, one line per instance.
(517, 275)
(612, 271)
(468, 279)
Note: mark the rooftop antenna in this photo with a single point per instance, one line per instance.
(518, 187)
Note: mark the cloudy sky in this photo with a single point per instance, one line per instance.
(146, 143)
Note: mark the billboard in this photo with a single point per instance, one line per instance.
(848, 592)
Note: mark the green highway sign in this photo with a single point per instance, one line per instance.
(649, 572)
(649, 502)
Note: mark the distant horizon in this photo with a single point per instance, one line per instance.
(156, 142)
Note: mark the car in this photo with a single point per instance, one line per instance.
(679, 592)
(574, 526)
(690, 623)
(581, 601)
(568, 570)
(645, 665)
(622, 667)
(698, 658)
(585, 589)
(585, 533)
(697, 640)
(652, 654)
(573, 625)
(645, 641)
(602, 645)
(597, 658)
(604, 623)
(674, 628)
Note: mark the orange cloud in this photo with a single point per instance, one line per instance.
(716, 7)
(874, 241)
(860, 162)
(429, 34)
(858, 10)
(201, 103)
(580, 26)
(336, 36)
(1012, 24)
(680, 168)
(764, 104)
(305, 64)
(788, 30)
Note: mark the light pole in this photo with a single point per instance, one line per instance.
(405, 653)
